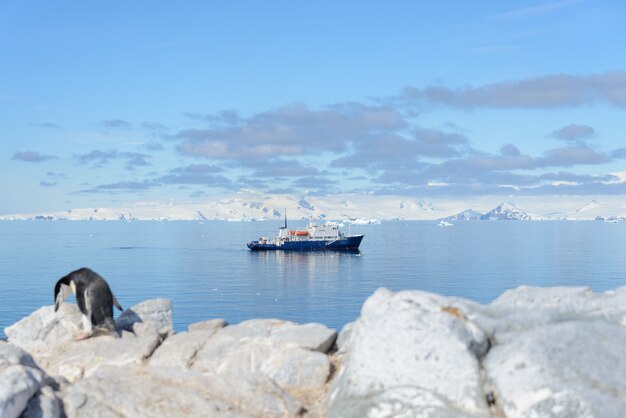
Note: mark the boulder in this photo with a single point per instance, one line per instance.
(285, 352)
(156, 312)
(410, 354)
(48, 337)
(167, 392)
(312, 336)
(20, 380)
(45, 404)
(566, 369)
(293, 368)
(179, 350)
(209, 325)
(45, 329)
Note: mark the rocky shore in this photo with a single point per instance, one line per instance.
(533, 352)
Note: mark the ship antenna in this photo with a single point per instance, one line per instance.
(285, 218)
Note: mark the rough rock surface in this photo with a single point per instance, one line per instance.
(549, 352)
(533, 352)
(20, 380)
(166, 392)
(410, 352)
(156, 312)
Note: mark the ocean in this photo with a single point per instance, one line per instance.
(207, 271)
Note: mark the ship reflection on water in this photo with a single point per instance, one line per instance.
(313, 265)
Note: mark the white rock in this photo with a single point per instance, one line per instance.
(20, 380)
(156, 312)
(44, 404)
(410, 354)
(528, 307)
(566, 369)
(295, 369)
(78, 359)
(209, 325)
(44, 329)
(164, 392)
(58, 354)
(179, 350)
(310, 336)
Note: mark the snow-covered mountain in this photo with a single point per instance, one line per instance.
(255, 206)
(366, 209)
(507, 212)
(502, 212)
(466, 215)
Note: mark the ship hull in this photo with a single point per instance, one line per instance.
(350, 243)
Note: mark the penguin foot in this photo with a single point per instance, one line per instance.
(82, 336)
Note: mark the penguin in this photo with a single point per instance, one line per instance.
(94, 297)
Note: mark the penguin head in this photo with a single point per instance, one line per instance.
(62, 289)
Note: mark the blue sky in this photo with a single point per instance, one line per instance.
(118, 102)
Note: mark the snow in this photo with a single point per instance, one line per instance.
(357, 209)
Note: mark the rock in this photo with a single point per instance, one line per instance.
(344, 337)
(179, 350)
(526, 308)
(156, 312)
(285, 352)
(166, 392)
(410, 354)
(310, 336)
(567, 369)
(48, 337)
(45, 329)
(210, 325)
(293, 368)
(81, 358)
(20, 380)
(44, 404)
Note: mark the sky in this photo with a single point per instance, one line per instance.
(106, 104)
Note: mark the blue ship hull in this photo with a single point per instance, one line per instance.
(350, 243)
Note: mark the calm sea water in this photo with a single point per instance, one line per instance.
(208, 272)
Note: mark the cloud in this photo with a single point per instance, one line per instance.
(154, 126)
(574, 133)
(226, 117)
(285, 168)
(46, 125)
(482, 172)
(121, 186)
(315, 182)
(392, 149)
(44, 183)
(32, 157)
(619, 153)
(552, 91)
(152, 146)
(54, 175)
(116, 123)
(199, 174)
(569, 156)
(509, 150)
(136, 159)
(100, 158)
(288, 132)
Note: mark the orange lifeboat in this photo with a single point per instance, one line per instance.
(299, 233)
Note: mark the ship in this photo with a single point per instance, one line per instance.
(315, 237)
